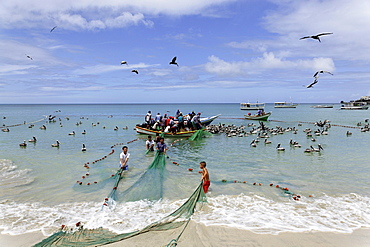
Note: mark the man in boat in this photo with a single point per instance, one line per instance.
(196, 122)
(148, 116)
(123, 157)
(149, 144)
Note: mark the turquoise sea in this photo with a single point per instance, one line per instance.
(38, 189)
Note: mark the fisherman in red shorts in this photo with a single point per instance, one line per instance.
(205, 176)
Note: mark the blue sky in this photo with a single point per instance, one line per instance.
(228, 51)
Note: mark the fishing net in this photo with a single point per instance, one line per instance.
(199, 134)
(101, 236)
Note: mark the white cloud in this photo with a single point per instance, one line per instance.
(267, 62)
(95, 14)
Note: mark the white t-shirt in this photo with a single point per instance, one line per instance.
(150, 143)
(124, 156)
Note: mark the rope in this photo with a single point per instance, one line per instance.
(14, 125)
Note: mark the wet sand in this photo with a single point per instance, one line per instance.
(205, 236)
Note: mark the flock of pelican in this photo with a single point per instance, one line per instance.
(264, 133)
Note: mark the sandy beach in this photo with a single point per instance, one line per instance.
(200, 235)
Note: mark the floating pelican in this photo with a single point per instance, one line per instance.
(32, 140)
(72, 133)
(84, 132)
(317, 149)
(135, 71)
(83, 149)
(317, 36)
(43, 127)
(278, 148)
(348, 133)
(116, 128)
(55, 144)
(5, 130)
(253, 143)
(174, 61)
(24, 144)
(267, 142)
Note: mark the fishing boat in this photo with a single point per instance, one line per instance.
(352, 105)
(145, 131)
(252, 106)
(204, 121)
(208, 120)
(322, 106)
(284, 105)
(260, 117)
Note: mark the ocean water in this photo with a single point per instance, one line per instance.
(38, 189)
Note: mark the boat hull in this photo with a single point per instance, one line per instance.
(257, 117)
(208, 120)
(322, 106)
(145, 131)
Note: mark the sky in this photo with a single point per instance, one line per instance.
(228, 51)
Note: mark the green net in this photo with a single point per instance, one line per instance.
(101, 236)
(199, 134)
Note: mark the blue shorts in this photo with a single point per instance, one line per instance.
(125, 168)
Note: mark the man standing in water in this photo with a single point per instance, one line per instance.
(123, 158)
(161, 146)
(149, 144)
(205, 176)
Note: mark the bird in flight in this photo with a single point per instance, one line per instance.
(29, 57)
(135, 71)
(53, 28)
(174, 61)
(313, 83)
(124, 62)
(316, 36)
(316, 75)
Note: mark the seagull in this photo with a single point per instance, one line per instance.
(135, 71)
(313, 83)
(316, 75)
(53, 28)
(316, 36)
(124, 62)
(174, 61)
(29, 57)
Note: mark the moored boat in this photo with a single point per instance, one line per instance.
(284, 105)
(252, 106)
(322, 106)
(352, 105)
(260, 117)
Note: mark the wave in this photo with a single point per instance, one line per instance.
(259, 214)
(10, 176)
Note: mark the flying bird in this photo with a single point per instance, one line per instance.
(316, 75)
(174, 61)
(316, 36)
(53, 28)
(124, 62)
(313, 83)
(135, 71)
(29, 57)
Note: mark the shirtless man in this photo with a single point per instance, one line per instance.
(205, 176)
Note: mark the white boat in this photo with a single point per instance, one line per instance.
(284, 105)
(252, 106)
(322, 106)
(352, 105)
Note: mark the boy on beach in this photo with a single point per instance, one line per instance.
(123, 158)
(205, 176)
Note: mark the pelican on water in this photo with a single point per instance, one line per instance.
(278, 148)
(24, 144)
(32, 140)
(83, 149)
(55, 144)
(317, 36)
(174, 61)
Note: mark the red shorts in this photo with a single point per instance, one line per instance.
(206, 184)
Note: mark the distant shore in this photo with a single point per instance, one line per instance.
(199, 235)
